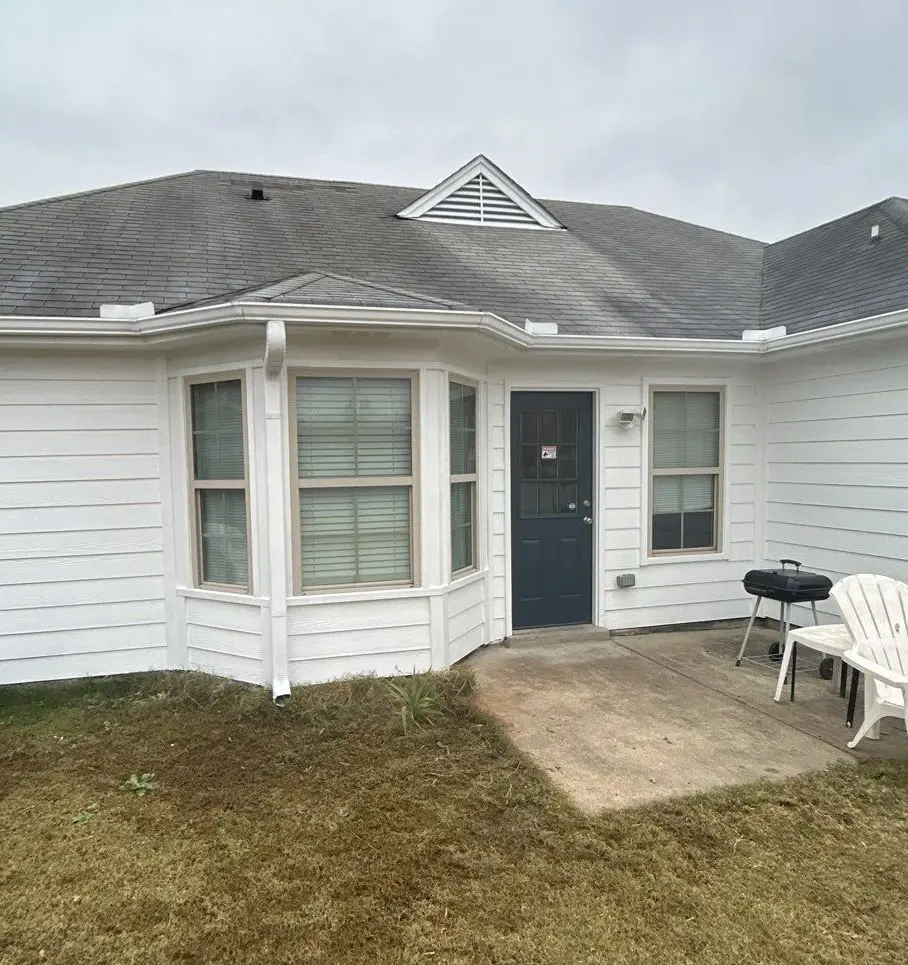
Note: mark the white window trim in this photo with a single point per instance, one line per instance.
(352, 482)
(196, 485)
(471, 477)
(723, 495)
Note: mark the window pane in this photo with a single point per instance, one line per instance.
(683, 510)
(217, 430)
(686, 429)
(355, 535)
(222, 522)
(463, 428)
(461, 525)
(354, 427)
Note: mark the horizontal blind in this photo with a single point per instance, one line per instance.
(461, 525)
(217, 430)
(355, 535)
(462, 399)
(222, 524)
(683, 494)
(354, 427)
(685, 430)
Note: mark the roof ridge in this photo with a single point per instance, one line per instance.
(104, 190)
(831, 221)
(893, 221)
(389, 288)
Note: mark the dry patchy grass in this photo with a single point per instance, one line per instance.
(322, 833)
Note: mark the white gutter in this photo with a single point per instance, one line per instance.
(193, 320)
(842, 331)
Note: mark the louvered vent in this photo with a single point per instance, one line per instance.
(480, 202)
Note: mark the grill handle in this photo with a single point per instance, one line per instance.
(795, 563)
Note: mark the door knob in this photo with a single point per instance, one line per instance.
(588, 520)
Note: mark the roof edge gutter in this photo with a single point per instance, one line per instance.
(170, 325)
(840, 332)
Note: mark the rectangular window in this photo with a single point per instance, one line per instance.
(686, 468)
(219, 483)
(355, 478)
(462, 406)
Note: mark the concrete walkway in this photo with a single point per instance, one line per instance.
(630, 719)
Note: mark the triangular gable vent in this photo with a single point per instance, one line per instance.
(480, 194)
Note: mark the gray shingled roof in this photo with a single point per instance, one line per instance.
(196, 238)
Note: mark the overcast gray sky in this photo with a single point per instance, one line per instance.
(759, 118)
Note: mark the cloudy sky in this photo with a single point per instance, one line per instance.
(759, 118)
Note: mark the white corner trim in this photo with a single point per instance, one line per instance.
(275, 347)
(480, 165)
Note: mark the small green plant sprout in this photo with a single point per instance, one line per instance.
(83, 816)
(139, 784)
(418, 700)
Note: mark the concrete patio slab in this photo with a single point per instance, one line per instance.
(625, 720)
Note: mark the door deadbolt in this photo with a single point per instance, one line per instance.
(587, 503)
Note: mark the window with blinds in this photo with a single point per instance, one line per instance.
(686, 468)
(355, 477)
(462, 421)
(219, 483)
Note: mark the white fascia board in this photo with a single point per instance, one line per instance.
(843, 331)
(480, 165)
(22, 329)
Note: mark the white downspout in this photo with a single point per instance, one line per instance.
(278, 511)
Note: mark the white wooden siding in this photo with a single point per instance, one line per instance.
(81, 572)
(225, 638)
(331, 640)
(466, 618)
(837, 464)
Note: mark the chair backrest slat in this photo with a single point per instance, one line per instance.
(875, 608)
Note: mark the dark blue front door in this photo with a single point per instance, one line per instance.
(552, 508)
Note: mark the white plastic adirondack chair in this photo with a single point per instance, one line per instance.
(875, 610)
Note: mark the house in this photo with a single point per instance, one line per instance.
(285, 430)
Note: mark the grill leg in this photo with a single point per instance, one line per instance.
(843, 677)
(813, 606)
(753, 617)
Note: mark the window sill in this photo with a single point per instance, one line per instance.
(225, 596)
(353, 596)
(466, 577)
(709, 556)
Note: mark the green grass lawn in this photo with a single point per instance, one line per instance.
(324, 833)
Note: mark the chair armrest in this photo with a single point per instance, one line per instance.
(860, 662)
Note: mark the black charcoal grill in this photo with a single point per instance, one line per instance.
(789, 584)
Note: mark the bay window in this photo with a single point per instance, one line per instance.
(219, 484)
(685, 471)
(462, 421)
(354, 478)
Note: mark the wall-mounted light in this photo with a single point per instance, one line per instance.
(631, 417)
